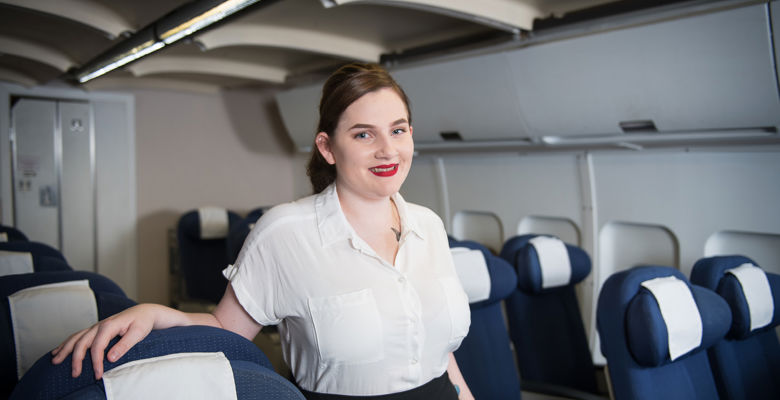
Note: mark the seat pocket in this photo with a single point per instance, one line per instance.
(348, 328)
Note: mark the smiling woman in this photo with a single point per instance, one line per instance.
(370, 141)
(361, 283)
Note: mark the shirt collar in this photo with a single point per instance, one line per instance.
(333, 225)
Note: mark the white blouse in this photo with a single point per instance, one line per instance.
(350, 322)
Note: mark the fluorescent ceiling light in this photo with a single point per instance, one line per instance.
(122, 59)
(181, 30)
(205, 19)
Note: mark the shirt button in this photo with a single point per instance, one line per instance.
(414, 361)
(401, 280)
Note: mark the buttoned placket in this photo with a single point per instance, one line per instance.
(408, 298)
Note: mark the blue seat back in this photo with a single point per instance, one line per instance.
(747, 364)
(635, 338)
(485, 355)
(252, 372)
(239, 232)
(12, 234)
(109, 298)
(35, 248)
(545, 324)
(202, 257)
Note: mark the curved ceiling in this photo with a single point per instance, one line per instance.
(267, 44)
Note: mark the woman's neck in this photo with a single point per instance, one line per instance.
(362, 208)
(376, 221)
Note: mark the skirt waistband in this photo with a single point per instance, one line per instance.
(437, 389)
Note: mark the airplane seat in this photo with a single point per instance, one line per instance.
(238, 233)
(42, 309)
(485, 355)
(254, 215)
(11, 234)
(180, 362)
(203, 252)
(746, 364)
(543, 313)
(17, 262)
(655, 328)
(37, 248)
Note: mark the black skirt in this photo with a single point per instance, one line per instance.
(438, 389)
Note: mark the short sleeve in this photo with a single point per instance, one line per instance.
(254, 278)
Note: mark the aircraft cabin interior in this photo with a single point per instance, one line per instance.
(607, 172)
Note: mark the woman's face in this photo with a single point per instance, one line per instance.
(372, 146)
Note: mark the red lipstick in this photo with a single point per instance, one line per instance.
(384, 170)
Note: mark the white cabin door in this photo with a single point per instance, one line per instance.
(53, 175)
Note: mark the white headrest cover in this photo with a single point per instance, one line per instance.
(43, 316)
(471, 267)
(3, 237)
(15, 262)
(678, 308)
(553, 260)
(188, 376)
(757, 292)
(213, 222)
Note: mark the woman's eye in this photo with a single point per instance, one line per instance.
(361, 135)
(399, 131)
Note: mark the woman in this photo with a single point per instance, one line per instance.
(360, 282)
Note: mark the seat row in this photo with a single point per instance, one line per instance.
(643, 316)
(42, 308)
(208, 239)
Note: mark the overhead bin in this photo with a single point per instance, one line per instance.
(467, 99)
(707, 72)
(472, 99)
(300, 113)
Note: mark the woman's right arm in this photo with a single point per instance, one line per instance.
(135, 323)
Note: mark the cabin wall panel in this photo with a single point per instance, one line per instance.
(695, 194)
(425, 186)
(116, 191)
(514, 186)
(197, 150)
(774, 12)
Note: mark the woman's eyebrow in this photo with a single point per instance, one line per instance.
(369, 126)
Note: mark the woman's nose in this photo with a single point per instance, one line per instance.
(385, 147)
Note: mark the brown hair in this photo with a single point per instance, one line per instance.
(347, 84)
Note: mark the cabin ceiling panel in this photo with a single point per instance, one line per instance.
(509, 15)
(287, 42)
(293, 38)
(90, 13)
(35, 52)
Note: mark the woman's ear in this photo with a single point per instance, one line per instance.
(322, 141)
(411, 130)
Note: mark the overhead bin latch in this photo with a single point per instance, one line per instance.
(639, 125)
(451, 136)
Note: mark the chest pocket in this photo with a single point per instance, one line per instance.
(458, 307)
(348, 328)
